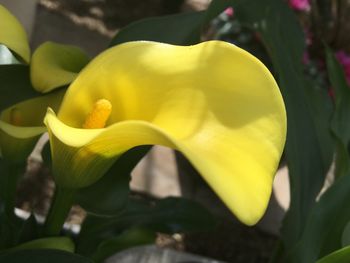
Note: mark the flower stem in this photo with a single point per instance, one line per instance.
(10, 187)
(10, 173)
(61, 204)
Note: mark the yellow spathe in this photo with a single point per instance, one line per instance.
(13, 35)
(54, 65)
(21, 125)
(214, 102)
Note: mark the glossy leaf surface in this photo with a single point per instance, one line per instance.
(309, 148)
(341, 118)
(110, 194)
(169, 215)
(179, 29)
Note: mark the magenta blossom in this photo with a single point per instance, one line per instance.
(344, 60)
(300, 5)
(306, 58)
(229, 11)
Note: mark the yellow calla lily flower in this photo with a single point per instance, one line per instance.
(55, 65)
(13, 35)
(52, 66)
(21, 125)
(214, 102)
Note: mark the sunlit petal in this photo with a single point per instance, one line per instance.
(55, 65)
(13, 35)
(21, 125)
(214, 102)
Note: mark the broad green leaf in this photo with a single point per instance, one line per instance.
(341, 118)
(42, 256)
(6, 228)
(325, 225)
(345, 239)
(179, 29)
(29, 230)
(339, 256)
(12, 34)
(14, 78)
(129, 238)
(309, 149)
(109, 195)
(158, 28)
(46, 154)
(169, 215)
(215, 8)
(15, 85)
(10, 173)
(59, 243)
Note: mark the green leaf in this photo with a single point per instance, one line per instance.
(42, 256)
(14, 78)
(3, 179)
(215, 8)
(29, 230)
(339, 256)
(10, 173)
(59, 243)
(158, 28)
(179, 29)
(325, 225)
(129, 238)
(169, 215)
(109, 195)
(46, 154)
(345, 239)
(340, 120)
(309, 148)
(15, 85)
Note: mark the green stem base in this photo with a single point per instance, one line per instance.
(60, 207)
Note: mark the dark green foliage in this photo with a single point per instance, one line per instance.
(42, 256)
(109, 195)
(169, 215)
(179, 29)
(15, 81)
(309, 148)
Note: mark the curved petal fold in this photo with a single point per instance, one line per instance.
(21, 125)
(54, 65)
(13, 35)
(214, 102)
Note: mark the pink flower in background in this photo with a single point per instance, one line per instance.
(308, 42)
(343, 57)
(306, 58)
(229, 11)
(344, 60)
(300, 5)
(308, 36)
